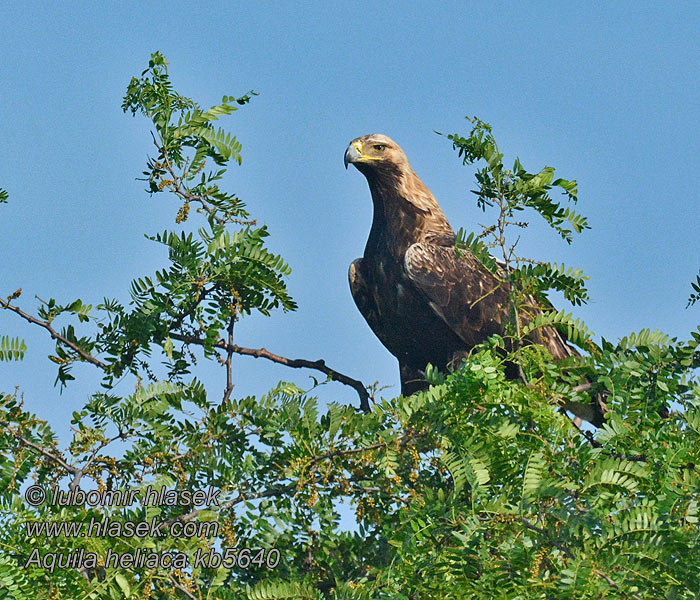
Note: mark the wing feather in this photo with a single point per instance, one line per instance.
(472, 301)
(361, 294)
(468, 298)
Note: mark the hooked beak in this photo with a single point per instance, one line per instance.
(353, 153)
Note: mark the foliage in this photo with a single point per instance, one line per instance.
(480, 487)
(12, 348)
(695, 295)
(514, 191)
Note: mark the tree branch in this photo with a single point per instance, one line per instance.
(229, 362)
(76, 472)
(404, 437)
(177, 585)
(77, 476)
(185, 195)
(55, 458)
(294, 363)
(86, 356)
(545, 533)
(276, 491)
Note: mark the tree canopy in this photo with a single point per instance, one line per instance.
(480, 487)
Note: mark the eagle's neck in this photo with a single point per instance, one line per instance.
(405, 212)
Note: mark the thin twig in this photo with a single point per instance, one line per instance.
(181, 587)
(491, 291)
(286, 489)
(76, 472)
(501, 239)
(277, 491)
(229, 362)
(612, 584)
(407, 435)
(272, 492)
(77, 476)
(178, 190)
(545, 533)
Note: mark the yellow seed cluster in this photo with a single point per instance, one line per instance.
(60, 361)
(183, 213)
(227, 532)
(504, 518)
(199, 168)
(360, 510)
(366, 509)
(112, 463)
(146, 589)
(185, 581)
(537, 561)
(181, 473)
(312, 499)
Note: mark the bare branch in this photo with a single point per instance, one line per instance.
(294, 363)
(229, 362)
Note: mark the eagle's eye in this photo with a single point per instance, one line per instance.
(379, 147)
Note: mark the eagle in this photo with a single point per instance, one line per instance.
(426, 302)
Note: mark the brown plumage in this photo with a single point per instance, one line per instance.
(425, 302)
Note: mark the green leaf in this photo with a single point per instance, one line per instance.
(123, 584)
(11, 348)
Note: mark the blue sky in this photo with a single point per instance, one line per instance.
(607, 94)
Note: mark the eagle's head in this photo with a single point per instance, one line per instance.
(375, 153)
(381, 160)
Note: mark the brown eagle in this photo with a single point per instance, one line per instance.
(425, 302)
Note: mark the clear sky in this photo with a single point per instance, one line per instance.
(609, 94)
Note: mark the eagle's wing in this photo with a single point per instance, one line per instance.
(467, 297)
(362, 297)
(475, 304)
